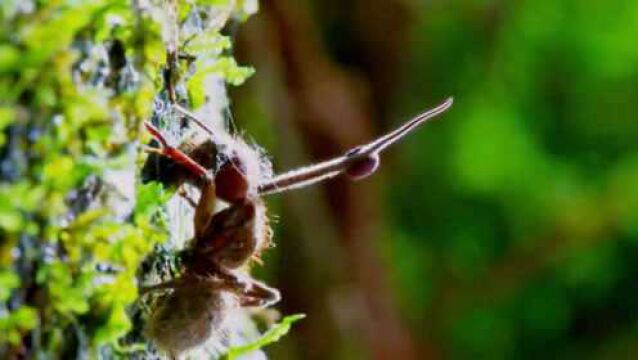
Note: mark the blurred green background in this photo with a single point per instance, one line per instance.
(507, 229)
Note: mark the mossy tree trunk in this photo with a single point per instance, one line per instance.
(79, 232)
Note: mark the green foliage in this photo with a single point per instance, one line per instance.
(211, 62)
(525, 223)
(272, 335)
(72, 237)
(69, 248)
(14, 324)
(225, 67)
(6, 116)
(150, 198)
(19, 320)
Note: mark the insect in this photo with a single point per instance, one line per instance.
(226, 241)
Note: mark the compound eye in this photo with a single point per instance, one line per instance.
(231, 183)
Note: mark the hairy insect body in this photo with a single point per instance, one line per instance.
(190, 315)
(213, 280)
(231, 182)
(233, 238)
(214, 277)
(227, 241)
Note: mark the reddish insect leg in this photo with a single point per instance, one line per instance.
(174, 153)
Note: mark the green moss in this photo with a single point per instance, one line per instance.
(71, 242)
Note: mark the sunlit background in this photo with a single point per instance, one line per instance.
(506, 229)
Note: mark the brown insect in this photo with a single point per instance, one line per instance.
(226, 241)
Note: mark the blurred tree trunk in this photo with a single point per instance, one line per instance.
(343, 285)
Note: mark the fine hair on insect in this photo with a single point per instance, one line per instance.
(229, 238)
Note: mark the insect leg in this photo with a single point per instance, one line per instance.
(258, 294)
(161, 286)
(205, 209)
(182, 192)
(250, 292)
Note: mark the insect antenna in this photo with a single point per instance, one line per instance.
(192, 117)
